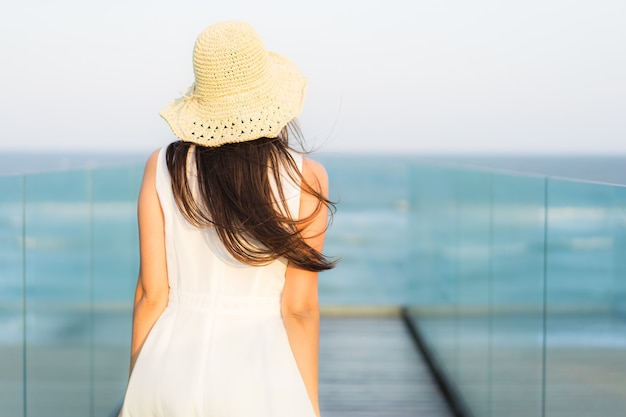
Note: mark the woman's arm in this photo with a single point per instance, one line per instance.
(300, 307)
(152, 290)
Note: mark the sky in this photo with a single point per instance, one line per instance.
(437, 76)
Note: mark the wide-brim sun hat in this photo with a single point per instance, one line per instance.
(241, 91)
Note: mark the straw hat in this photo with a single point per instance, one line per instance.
(241, 92)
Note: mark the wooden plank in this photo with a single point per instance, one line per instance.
(369, 367)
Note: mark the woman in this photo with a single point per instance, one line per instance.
(231, 228)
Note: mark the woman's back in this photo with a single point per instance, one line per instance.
(220, 344)
(197, 260)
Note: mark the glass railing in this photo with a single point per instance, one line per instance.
(12, 357)
(369, 232)
(518, 289)
(516, 283)
(68, 262)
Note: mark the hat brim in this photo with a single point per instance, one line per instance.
(241, 117)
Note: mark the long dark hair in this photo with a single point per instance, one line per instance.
(236, 197)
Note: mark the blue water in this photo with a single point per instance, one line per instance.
(371, 234)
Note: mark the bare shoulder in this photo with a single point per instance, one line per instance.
(314, 173)
(151, 163)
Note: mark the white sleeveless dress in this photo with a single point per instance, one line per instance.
(220, 348)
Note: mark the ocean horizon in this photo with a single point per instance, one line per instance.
(609, 169)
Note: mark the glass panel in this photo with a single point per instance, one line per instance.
(58, 294)
(369, 232)
(115, 266)
(517, 253)
(473, 253)
(433, 253)
(619, 249)
(585, 341)
(617, 346)
(11, 298)
(571, 285)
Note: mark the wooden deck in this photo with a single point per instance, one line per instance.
(370, 367)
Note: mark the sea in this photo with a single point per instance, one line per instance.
(599, 168)
(78, 205)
